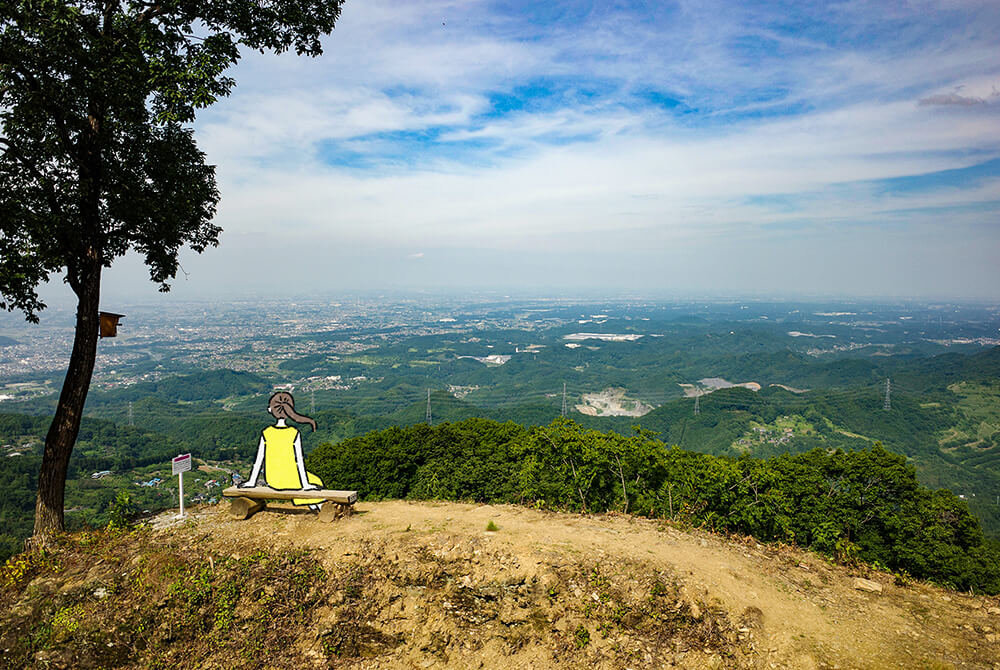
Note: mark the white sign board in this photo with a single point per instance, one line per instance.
(181, 464)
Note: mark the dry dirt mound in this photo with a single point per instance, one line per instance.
(424, 585)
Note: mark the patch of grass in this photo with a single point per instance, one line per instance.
(581, 638)
(67, 619)
(20, 568)
(492, 527)
(902, 578)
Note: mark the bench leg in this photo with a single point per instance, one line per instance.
(244, 508)
(331, 511)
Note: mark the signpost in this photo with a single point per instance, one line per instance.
(180, 465)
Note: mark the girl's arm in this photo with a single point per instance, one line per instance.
(300, 463)
(252, 481)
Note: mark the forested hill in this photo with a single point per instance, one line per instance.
(210, 385)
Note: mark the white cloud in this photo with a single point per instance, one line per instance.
(688, 179)
(788, 138)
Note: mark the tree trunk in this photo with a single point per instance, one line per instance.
(66, 423)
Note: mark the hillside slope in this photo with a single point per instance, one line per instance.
(405, 584)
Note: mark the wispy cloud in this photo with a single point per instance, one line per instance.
(555, 125)
(954, 98)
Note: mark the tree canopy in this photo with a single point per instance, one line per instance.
(96, 157)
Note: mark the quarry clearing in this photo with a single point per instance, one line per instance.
(425, 585)
(612, 402)
(710, 384)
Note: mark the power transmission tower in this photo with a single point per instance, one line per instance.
(887, 405)
(130, 421)
(564, 400)
(697, 408)
(428, 407)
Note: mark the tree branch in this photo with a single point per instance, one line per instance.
(54, 111)
(50, 193)
(109, 11)
(621, 473)
(583, 500)
(151, 12)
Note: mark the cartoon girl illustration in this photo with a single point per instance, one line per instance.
(279, 452)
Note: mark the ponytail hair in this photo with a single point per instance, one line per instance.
(282, 406)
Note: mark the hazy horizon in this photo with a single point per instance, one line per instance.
(60, 298)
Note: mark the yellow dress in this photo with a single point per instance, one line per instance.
(280, 469)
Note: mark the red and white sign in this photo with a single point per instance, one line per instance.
(180, 464)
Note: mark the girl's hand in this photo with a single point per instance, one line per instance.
(310, 487)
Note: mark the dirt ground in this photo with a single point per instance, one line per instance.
(562, 580)
(444, 585)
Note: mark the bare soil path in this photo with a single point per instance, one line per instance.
(775, 606)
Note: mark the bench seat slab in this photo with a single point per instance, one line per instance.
(267, 493)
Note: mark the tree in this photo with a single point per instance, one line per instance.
(97, 158)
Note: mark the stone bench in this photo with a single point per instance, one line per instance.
(247, 501)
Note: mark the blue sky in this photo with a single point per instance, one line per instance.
(668, 148)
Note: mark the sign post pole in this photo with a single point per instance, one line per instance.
(179, 465)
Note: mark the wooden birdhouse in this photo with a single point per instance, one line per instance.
(109, 324)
